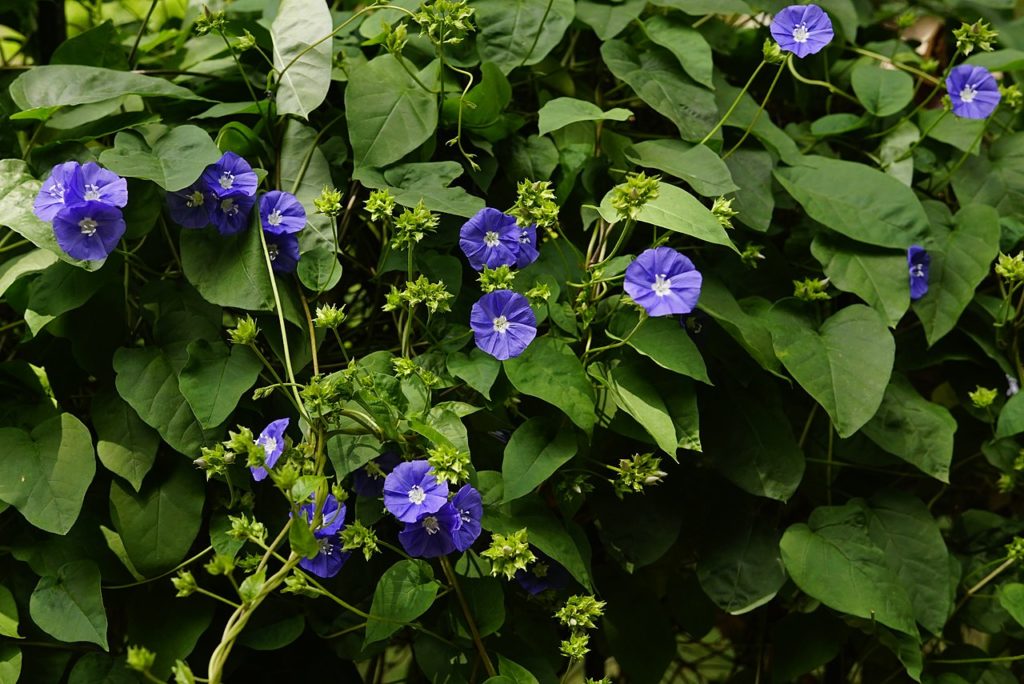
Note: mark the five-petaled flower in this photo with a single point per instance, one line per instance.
(329, 559)
(411, 490)
(83, 202)
(918, 261)
(230, 175)
(283, 250)
(453, 527)
(664, 282)
(88, 230)
(191, 207)
(272, 441)
(802, 29)
(503, 324)
(230, 213)
(492, 239)
(281, 213)
(973, 91)
(469, 505)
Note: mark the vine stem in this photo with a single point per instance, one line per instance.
(453, 580)
(536, 37)
(824, 84)
(735, 103)
(757, 115)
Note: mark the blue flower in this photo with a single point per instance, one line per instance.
(284, 252)
(973, 91)
(491, 239)
(50, 199)
(191, 207)
(368, 481)
(98, 185)
(230, 213)
(88, 230)
(802, 29)
(503, 324)
(469, 505)
(431, 534)
(281, 212)
(527, 246)
(663, 281)
(230, 175)
(410, 490)
(918, 261)
(328, 561)
(272, 441)
(542, 575)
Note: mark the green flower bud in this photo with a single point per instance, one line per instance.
(358, 536)
(244, 528)
(329, 202)
(245, 331)
(978, 35)
(210, 22)
(1006, 483)
(182, 673)
(576, 646)
(1015, 549)
(637, 472)
(412, 225)
(246, 41)
(1012, 96)
(140, 658)
(751, 255)
(580, 612)
(449, 464)
(380, 204)
(509, 553)
(538, 293)
(1010, 268)
(630, 197)
(535, 204)
(395, 37)
(982, 397)
(723, 211)
(220, 564)
(184, 583)
(445, 22)
(329, 316)
(501, 278)
(772, 53)
(811, 289)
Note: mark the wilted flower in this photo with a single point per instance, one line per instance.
(88, 230)
(281, 213)
(328, 561)
(469, 505)
(503, 324)
(802, 29)
(190, 208)
(973, 91)
(411, 489)
(230, 175)
(664, 282)
(272, 441)
(918, 261)
(491, 239)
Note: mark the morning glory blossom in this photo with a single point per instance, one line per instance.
(281, 212)
(431, 534)
(527, 246)
(230, 175)
(491, 238)
(368, 481)
(191, 207)
(802, 29)
(469, 505)
(97, 184)
(50, 199)
(503, 324)
(410, 490)
(88, 230)
(230, 213)
(973, 91)
(272, 441)
(328, 561)
(664, 282)
(284, 252)
(918, 261)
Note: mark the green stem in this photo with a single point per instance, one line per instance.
(757, 115)
(138, 36)
(536, 37)
(735, 103)
(824, 84)
(477, 640)
(924, 134)
(172, 571)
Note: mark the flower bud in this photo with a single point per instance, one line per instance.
(140, 658)
(630, 197)
(978, 35)
(329, 316)
(509, 553)
(772, 52)
(245, 331)
(329, 202)
(184, 583)
(982, 397)
(811, 289)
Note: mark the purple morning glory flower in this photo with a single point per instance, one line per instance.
(527, 246)
(503, 324)
(230, 213)
(918, 261)
(491, 239)
(88, 230)
(50, 199)
(328, 561)
(190, 208)
(663, 281)
(98, 185)
(470, 507)
(368, 481)
(284, 252)
(281, 213)
(272, 441)
(431, 534)
(973, 91)
(231, 175)
(410, 490)
(542, 575)
(802, 29)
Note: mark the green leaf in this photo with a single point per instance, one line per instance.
(718, 302)
(883, 92)
(24, 264)
(215, 377)
(755, 201)
(8, 614)
(642, 399)
(856, 200)
(427, 181)
(168, 626)
(99, 46)
(963, 134)
(994, 178)
(834, 560)
(685, 43)
(911, 427)
(230, 271)
(173, 158)
(663, 341)
(100, 668)
(655, 76)
(388, 113)
(159, 524)
(45, 474)
(1011, 598)
(1011, 417)
(700, 7)
(740, 569)
(562, 111)
(549, 370)
(477, 368)
(534, 157)
(69, 605)
(845, 364)
(302, 58)
(608, 20)
(746, 114)
(10, 664)
(405, 591)
(877, 276)
(304, 173)
(520, 32)
(126, 446)
(65, 84)
(514, 671)
(960, 261)
(538, 448)
(678, 211)
(698, 165)
(319, 269)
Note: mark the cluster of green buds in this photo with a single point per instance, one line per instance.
(445, 22)
(434, 296)
(751, 254)
(220, 565)
(772, 53)
(500, 278)
(723, 211)
(412, 225)
(244, 528)
(184, 583)
(358, 536)
(380, 205)
(535, 205)
(1013, 97)
(811, 289)
(579, 614)
(395, 37)
(140, 659)
(406, 368)
(539, 293)
(509, 553)
(322, 394)
(210, 22)
(239, 445)
(906, 20)
(329, 316)
(1011, 268)
(629, 198)
(297, 583)
(634, 473)
(449, 463)
(1015, 549)
(329, 202)
(245, 331)
(982, 397)
(246, 41)
(978, 35)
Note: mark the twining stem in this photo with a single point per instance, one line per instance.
(172, 571)
(924, 75)
(824, 84)
(735, 103)
(757, 114)
(984, 582)
(924, 134)
(138, 36)
(540, 28)
(453, 580)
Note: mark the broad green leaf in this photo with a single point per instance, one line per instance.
(1011, 417)
(483, 107)
(856, 200)
(171, 157)
(126, 446)
(883, 92)
(69, 605)
(642, 399)
(700, 7)
(676, 210)
(549, 370)
(746, 114)
(8, 614)
(656, 78)
(159, 524)
(963, 134)
(995, 178)
(718, 302)
(230, 271)
(10, 664)
(752, 171)
(845, 364)
(834, 560)
(62, 288)
(562, 111)
(999, 60)
(608, 20)
(61, 85)
(741, 570)
(303, 53)
(517, 33)
(514, 671)
(319, 269)
(918, 431)
(698, 165)
(538, 448)
(893, 152)
(429, 182)
(23, 264)
(877, 276)
(960, 261)
(100, 668)
(477, 368)
(1011, 598)
(663, 341)
(215, 378)
(305, 172)
(99, 46)
(534, 157)
(405, 591)
(388, 113)
(45, 473)
(167, 626)
(685, 43)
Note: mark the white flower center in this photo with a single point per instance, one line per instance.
(195, 200)
(416, 495)
(227, 180)
(88, 227)
(491, 239)
(917, 271)
(431, 525)
(464, 514)
(92, 193)
(662, 285)
(274, 218)
(273, 251)
(326, 546)
(57, 191)
(501, 325)
(968, 93)
(524, 238)
(800, 33)
(269, 445)
(228, 207)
